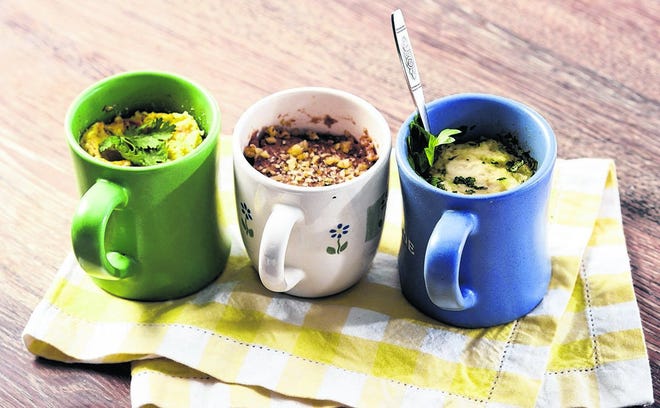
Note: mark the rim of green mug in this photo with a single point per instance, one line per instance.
(211, 134)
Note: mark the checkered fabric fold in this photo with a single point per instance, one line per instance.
(236, 344)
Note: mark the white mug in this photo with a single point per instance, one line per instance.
(312, 241)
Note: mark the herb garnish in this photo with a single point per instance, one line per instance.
(429, 156)
(422, 145)
(142, 145)
(513, 166)
(469, 182)
(512, 146)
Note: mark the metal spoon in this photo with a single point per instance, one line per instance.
(404, 49)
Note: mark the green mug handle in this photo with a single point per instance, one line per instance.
(88, 231)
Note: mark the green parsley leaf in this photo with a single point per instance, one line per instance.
(158, 128)
(444, 137)
(142, 145)
(422, 145)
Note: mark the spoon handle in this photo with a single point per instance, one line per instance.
(404, 49)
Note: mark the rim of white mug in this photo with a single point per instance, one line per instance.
(384, 146)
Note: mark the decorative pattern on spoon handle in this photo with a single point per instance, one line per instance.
(404, 49)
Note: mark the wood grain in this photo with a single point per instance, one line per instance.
(589, 66)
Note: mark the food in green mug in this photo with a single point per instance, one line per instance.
(478, 166)
(144, 139)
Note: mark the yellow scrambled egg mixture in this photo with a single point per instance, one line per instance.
(479, 168)
(185, 136)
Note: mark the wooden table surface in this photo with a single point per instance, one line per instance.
(589, 66)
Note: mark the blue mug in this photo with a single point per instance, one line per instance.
(477, 260)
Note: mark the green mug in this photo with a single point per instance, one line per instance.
(152, 232)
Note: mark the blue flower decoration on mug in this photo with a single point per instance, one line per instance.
(338, 232)
(246, 211)
(246, 215)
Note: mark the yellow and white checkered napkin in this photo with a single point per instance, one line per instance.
(236, 344)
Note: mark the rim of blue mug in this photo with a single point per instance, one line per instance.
(384, 149)
(547, 162)
(210, 136)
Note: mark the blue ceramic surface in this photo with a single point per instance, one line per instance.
(477, 260)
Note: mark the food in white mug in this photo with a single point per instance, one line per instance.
(144, 139)
(307, 158)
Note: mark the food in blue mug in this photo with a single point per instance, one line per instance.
(143, 139)
(480, 165)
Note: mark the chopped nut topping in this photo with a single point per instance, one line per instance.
(307, 158)
(330, 160)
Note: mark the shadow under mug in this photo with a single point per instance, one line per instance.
(147, 233)
(477, 260)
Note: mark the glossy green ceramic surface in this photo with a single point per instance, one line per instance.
(148, 233)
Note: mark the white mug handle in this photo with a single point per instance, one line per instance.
(274, 275)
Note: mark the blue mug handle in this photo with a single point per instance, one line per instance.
(443, 259)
